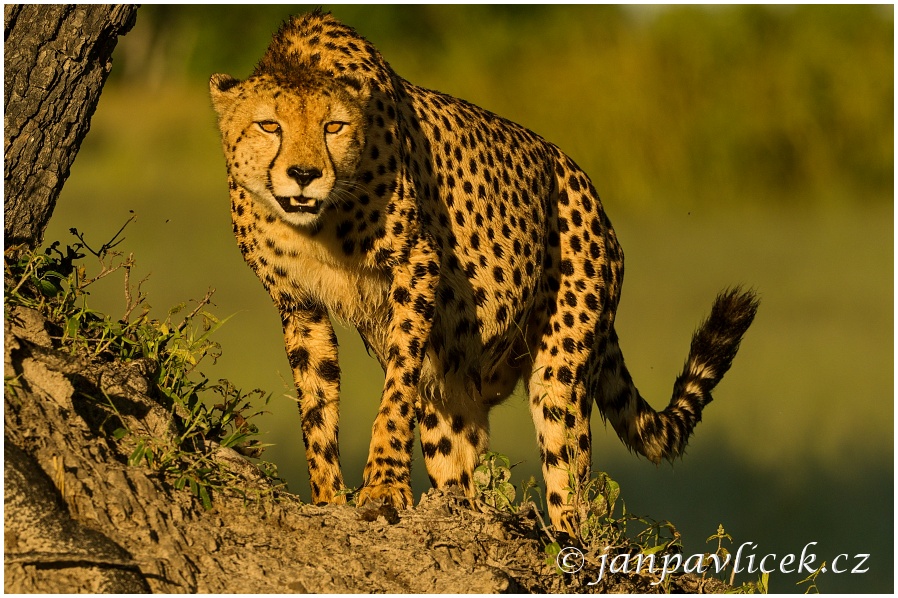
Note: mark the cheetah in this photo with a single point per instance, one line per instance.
(467, 251)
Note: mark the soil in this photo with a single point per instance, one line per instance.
(78, 518)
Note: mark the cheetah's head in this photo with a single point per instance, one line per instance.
(295, 147)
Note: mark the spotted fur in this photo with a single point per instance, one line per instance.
(469, 253)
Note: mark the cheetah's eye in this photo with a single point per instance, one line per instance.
(269, 126)
(333, 127)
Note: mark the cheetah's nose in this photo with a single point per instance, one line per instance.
(303, 175)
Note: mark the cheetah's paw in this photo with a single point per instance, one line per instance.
(566, 520)
(398, 495)
(326, 495)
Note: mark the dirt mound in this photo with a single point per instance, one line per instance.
(78, 518)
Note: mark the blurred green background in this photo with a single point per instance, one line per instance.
(730, 145)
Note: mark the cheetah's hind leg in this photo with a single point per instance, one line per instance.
(560, 407)
(453, 436)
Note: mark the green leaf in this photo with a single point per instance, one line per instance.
(763, 583)
(653, 549)
(47, 288)
(234, 439)
(612, 490)
(508, 491)
(137, 456)
(205, 498)
(503, 474)
(72, 326)
(482, 476)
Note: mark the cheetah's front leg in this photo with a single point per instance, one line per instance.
(388, 471)
(312, 351)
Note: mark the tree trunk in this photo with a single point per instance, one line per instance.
(57, 60)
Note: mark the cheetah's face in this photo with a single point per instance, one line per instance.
(295, 149)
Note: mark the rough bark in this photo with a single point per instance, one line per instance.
(78, 518)
(57, 58)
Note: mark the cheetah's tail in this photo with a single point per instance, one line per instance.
(714, 345)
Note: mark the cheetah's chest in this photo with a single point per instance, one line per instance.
(297, 267)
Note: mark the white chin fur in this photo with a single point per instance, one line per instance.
(299, 218)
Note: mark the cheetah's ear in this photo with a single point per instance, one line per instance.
(221, 88)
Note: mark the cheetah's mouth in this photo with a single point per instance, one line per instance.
(300, 203)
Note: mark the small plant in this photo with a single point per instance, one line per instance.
(811, 580)
(595, 502)
(55, 283)
(491, 481)
(720, 560)
(607, 528)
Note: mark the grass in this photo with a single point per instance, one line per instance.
(608, 533)
(56, 283)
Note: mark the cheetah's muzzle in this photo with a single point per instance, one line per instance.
(469, 252)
